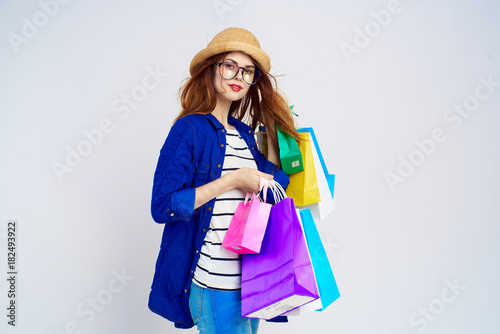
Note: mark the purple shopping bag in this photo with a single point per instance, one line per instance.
(327, 286)
(248, 225)
(280, 278)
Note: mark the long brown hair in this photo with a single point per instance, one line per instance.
(262, 104)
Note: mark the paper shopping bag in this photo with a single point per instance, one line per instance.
(327, 286)
(279, 278)
(290, 156)
(315, 304)
(248, 225)
(320, 210)
(303, 187)
(329, 177)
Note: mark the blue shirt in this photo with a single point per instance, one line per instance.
(192, 155)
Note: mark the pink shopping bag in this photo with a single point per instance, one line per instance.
(248, 226)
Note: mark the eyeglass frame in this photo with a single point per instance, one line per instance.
(258, 73)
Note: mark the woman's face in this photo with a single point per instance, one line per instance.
(236, 88)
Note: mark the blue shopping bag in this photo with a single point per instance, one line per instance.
(327, 286)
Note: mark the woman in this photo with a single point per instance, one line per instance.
(206, 165)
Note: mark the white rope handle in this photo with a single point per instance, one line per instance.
(277, 190)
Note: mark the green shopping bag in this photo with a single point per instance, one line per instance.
(290, 156)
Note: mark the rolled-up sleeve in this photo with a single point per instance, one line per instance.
(173, 196)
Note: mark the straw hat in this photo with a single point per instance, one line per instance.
(233, 39)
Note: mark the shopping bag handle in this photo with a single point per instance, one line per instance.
(247, 197)
(263, 186)
(277, 190)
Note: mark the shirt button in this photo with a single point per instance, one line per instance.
(249, 131)
(221, 145)
(209, 208)
(191, 271)
(197, 251)
(185, 291)
(204, 230)
(218, 166)
(223, 130)
(171, 215)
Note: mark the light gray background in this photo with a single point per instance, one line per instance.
(394, 251)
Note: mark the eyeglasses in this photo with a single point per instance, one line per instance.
(229, 70)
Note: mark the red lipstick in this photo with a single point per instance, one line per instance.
(236, 88)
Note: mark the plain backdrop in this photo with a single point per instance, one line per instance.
(403, 96)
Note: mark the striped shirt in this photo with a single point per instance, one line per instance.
(219, 268)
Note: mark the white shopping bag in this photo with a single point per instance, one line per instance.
(323, 208)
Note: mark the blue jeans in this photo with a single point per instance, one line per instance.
(219, 312)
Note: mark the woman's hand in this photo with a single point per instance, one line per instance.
(247, 179)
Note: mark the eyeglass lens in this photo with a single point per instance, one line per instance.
(230, 70)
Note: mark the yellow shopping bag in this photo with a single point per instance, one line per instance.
(303, 186)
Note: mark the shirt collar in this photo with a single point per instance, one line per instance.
(230, 119)
(215, 122)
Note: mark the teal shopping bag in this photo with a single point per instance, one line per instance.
(290, 156)
(327, 286)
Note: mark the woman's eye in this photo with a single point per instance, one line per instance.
(230, 66)
(249, 70)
